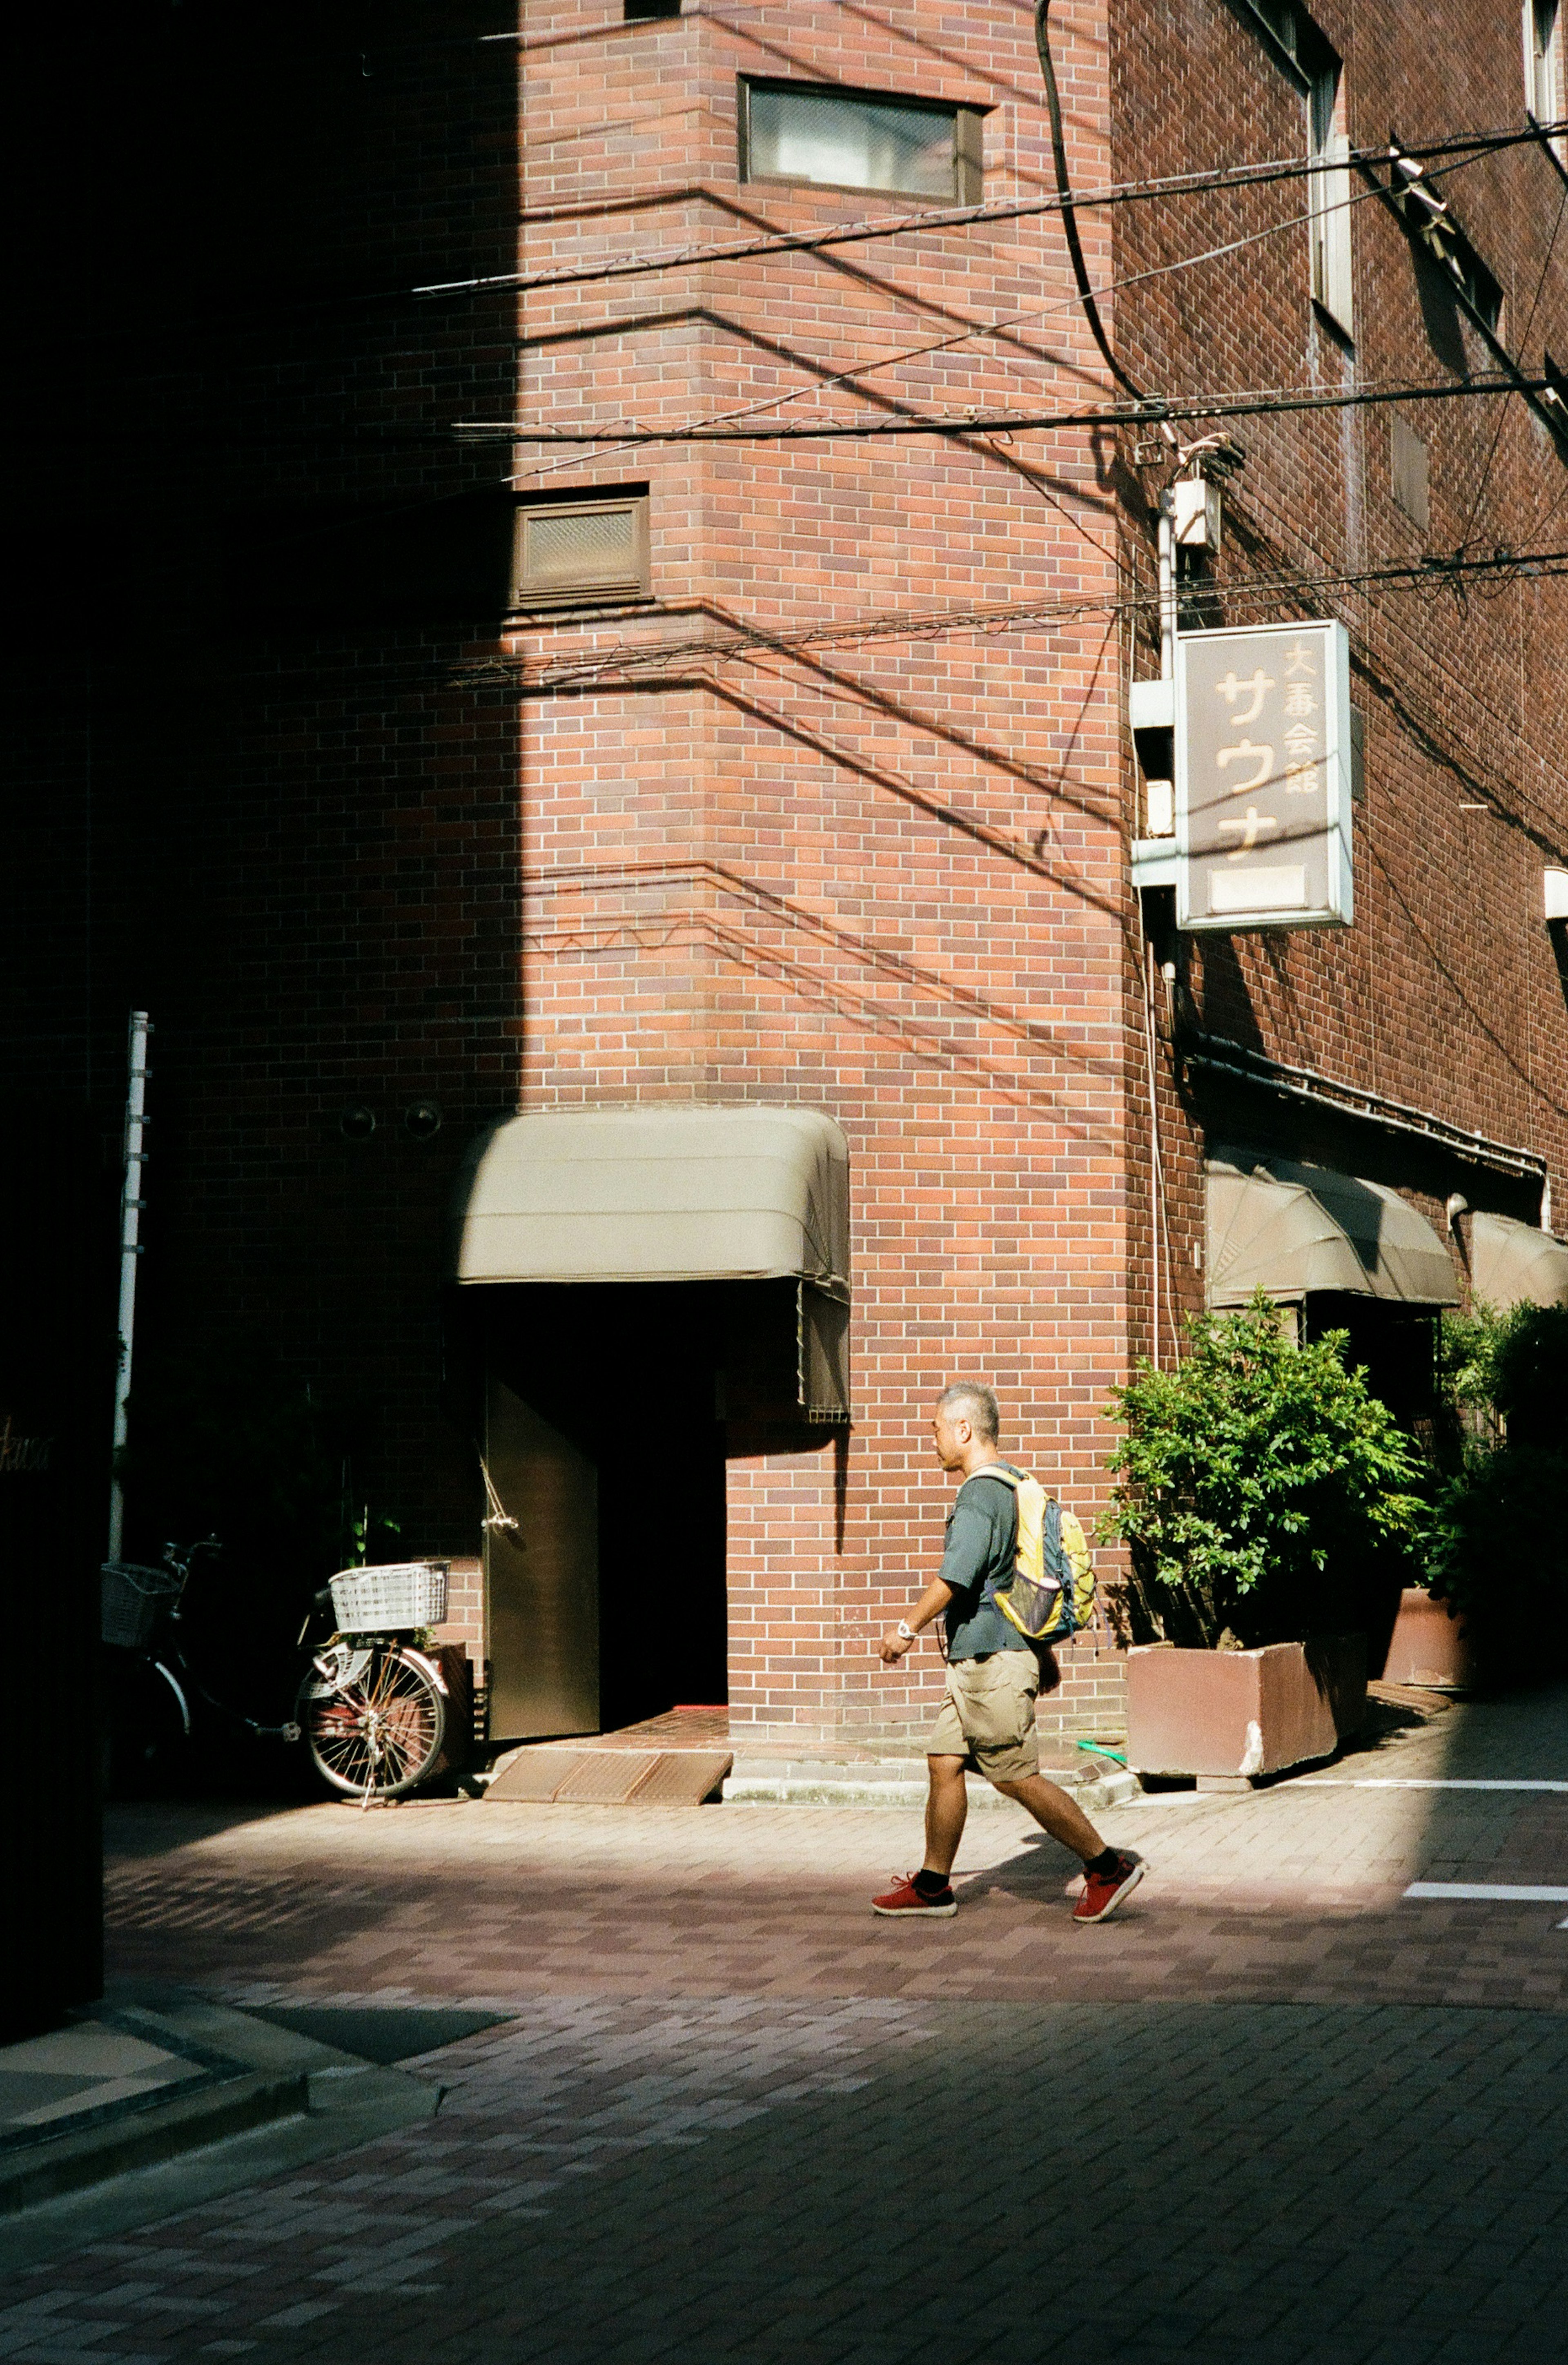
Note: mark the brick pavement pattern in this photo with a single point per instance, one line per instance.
(873, 2182)
(728, 2115)
(1292, 1893)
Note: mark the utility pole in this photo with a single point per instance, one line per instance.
(129, 1249)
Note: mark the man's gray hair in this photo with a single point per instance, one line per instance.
(978, 1402)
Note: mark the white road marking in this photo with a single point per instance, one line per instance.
(1408, 1782)
(1492, 1892)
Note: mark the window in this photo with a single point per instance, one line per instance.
(586, 549)
(853, 140)
(1471, 276)
(1431, 225)
(1314, 68)
(1330, 202)
(1542, 59)
(1545, 97)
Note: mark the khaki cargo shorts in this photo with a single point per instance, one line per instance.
(987, 1716)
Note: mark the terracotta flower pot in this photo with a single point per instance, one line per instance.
(1243, 1713)
(1427, 1647)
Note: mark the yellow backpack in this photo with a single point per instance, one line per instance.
(1052, 1592)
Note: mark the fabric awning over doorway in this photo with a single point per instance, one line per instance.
(659, 1195)
(1510, 1261)
(1291, 1231)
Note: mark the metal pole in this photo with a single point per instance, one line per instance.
(129, 1249)
(1167, 673)
(1167, 591)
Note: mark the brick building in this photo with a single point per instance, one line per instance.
(662, 945)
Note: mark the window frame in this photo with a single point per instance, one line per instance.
(1474, 280)
(611, 591)
(968, 138)
(1310, 60)
(1546, 65)
(1329, 203)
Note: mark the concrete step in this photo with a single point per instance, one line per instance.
(896, 1782)
(244, 2097)
(566, 1775)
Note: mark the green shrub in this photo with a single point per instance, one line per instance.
(1529, 1376)
(1496, 1538)
(1466, 1409)
(1261, 1486)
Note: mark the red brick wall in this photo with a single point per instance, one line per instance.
(296, 843)
(882, 874)
(1445, 993)
(880, 878)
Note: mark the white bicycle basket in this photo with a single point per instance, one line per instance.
(131, 1599)
(401, 1593)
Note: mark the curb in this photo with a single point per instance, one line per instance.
(270, 2101)
(831, 1787)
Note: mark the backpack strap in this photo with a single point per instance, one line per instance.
(996, 1470)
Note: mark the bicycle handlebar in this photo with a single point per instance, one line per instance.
(179, 1562)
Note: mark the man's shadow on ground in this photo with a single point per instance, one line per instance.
(1037, 1873)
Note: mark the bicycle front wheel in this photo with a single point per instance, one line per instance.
(379, 1731)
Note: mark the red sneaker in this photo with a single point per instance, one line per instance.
(907, 1899)
(1105, 1892)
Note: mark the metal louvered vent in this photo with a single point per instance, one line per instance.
(581, 551)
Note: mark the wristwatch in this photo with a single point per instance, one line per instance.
(906, 1632)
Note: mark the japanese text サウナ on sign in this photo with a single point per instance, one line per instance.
(1263, 777)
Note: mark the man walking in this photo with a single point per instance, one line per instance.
(993, 1676)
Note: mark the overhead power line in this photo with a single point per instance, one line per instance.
(1475, 510)
(1069, 211)
(1265, 402)
(935, 218)
(875, 366)
(635, 658)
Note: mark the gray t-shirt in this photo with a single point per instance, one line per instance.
(983, 1538)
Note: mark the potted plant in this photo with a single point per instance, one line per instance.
(1431, 1644)
(1497, 1535)
(1267, 1499)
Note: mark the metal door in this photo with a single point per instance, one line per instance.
(541, 1576)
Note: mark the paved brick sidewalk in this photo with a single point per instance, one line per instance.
(1292, 1893)
(1277, 2111)
(887, 2184)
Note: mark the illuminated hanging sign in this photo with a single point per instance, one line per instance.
(1263, 777)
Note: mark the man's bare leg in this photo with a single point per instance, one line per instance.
(1052, 1808)
(946, 1808)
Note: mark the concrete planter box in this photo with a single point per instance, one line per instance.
(1240, 1714)
(1427, 1647)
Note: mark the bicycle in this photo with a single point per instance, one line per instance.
(153, 1687)
(371, 1707)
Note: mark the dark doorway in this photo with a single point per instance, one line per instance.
(1395, 1345)
(607, 1415)
(541, 1572)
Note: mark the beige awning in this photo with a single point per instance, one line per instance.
(659, 1195)
(1291, 1230)
(1510, 1261)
